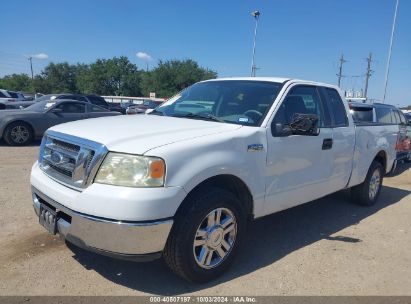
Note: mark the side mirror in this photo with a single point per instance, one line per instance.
(281, 130)
(305, 124)
(301, 124)
(56, 110)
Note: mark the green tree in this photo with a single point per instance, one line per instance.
(16, 82)
(59, 78)
(116, 76)
(171, 76)
(41, 85)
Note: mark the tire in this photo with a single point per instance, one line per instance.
(203, 262)
(18, 134)
(367, 193)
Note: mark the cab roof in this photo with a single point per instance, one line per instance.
(275, 79)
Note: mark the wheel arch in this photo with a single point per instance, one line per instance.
(229, 183)
(381, 157)
(18, 120)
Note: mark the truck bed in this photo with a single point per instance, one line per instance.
(370, 139)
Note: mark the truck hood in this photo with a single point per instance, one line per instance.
(137, 134)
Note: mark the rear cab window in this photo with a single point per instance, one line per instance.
(362, 114)
(335, 106)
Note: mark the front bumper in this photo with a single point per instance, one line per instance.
(144, 240)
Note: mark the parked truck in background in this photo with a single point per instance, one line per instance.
(184, 180)
(385, 114)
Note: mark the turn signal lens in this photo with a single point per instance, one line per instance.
(157, 169)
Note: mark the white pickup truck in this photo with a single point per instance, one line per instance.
(183, 181)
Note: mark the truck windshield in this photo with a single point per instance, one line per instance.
(41, 106)
(242, 102)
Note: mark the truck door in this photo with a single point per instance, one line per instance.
(343, 138)
(66, 111)
(298, 166)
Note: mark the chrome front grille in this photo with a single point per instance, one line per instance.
(70, 160)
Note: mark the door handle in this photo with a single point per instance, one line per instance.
(327, 144)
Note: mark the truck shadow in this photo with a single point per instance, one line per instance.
(272, 237)
(401, 168)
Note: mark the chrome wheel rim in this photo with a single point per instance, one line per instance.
(215, 238)
(19, 134)
(375, 183)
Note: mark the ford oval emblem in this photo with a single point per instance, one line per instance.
(56, 157)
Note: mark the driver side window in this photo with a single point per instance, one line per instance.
(301, 100)
(72, 107)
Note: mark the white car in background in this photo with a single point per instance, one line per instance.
(6, 95)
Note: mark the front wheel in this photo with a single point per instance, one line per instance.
(18, 134)
(367, 193)
(206, 235)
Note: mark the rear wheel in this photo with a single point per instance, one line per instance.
(367, 193)
(206, 235)
(18, 134)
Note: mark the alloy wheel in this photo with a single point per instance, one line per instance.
(215, 238)
(19, 134)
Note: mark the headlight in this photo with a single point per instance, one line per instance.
(131, 171)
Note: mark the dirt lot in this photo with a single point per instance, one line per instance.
(327, 247)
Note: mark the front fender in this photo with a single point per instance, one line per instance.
(191, 162)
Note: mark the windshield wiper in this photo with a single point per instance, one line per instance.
(199, 116)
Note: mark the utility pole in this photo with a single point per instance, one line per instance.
(340, 75)
(387, 71)
(256, 15)
(31, 66)
(368, 74)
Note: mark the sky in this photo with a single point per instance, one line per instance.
(296, 38)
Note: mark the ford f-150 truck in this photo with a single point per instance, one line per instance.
(183, 181)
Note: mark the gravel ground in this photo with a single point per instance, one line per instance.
(326, 247)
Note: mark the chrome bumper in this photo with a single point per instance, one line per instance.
(126, 240)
